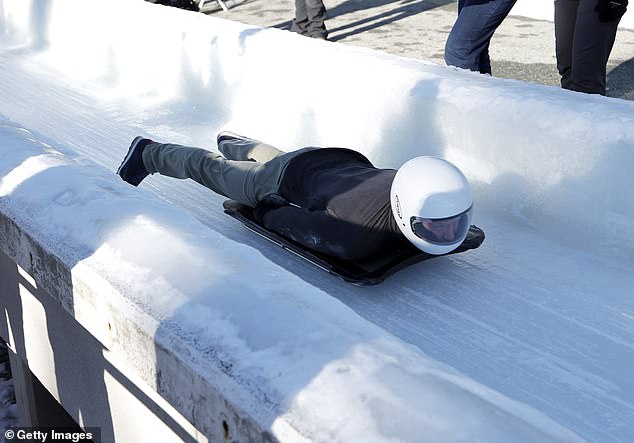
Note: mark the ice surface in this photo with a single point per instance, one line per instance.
(466, 348)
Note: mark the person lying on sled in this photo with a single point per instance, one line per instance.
(330, 200)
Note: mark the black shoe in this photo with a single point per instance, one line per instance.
(190, 5)
(132, 169)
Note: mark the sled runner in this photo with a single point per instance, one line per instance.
(364, 273)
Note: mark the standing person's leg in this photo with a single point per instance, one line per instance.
(300, 22)
(565, 23)
(593, 42)
(244, 181)
(310, 16)
(485, 60)
(316, 12)
(468, 42)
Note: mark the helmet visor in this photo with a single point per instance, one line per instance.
(442, 231)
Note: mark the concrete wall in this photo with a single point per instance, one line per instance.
(96, 387)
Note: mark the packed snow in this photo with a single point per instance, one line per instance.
(528, 338)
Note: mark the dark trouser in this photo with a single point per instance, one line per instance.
(309, 18)
(249, 171)
(583, 45)
(467, 46)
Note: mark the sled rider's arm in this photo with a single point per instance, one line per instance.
(317, 230)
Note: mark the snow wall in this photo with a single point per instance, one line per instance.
(566, 156)
(565, 170)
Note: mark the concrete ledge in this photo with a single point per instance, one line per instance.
(108, 371)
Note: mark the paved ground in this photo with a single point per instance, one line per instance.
(522, 48)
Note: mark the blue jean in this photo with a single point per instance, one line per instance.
(467, 46)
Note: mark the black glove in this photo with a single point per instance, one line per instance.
(272, 201)
(610, 10)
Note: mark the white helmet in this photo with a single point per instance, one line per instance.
(432, 204)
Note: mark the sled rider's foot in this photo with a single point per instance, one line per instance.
(228, 135)
(132, 169)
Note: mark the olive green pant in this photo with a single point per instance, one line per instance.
(247, 171)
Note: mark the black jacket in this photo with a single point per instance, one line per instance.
(340, 205)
